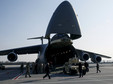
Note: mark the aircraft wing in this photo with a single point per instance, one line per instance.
(23, 50)
(91, 54)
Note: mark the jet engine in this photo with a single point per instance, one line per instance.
(84, 57)
(12, 57)
(96, 59)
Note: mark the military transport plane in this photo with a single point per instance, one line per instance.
(64, 27)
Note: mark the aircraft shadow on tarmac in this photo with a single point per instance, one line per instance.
(30, 81)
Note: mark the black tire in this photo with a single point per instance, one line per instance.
(64, 71)
(75, 72)
(84, 72)
(70, 72)
(3, 68)
(87, 70)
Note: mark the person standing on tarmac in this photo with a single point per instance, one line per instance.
(80, 70)
(21, 68)
(97, 66)
(47, 71)
(27, 70)
(86, 66)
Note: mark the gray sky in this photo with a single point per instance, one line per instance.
(22, 19)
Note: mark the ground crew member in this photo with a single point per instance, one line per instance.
(21, 68)
(80, 70)
(27, 70)
(97, 66)
(47, 71)
(86, 66)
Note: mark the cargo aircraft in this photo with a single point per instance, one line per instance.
(63, 27)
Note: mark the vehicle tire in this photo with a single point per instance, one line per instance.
(75, 72)
(84, 72)
(3, 68)
(87, 70)
(70, 72)
(64, 71)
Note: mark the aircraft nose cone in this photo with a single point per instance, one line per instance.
(64, 21)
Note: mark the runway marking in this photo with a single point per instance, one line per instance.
(18, 76)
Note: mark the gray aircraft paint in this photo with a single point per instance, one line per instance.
(64, 20)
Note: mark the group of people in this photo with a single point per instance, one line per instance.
(81, 71)
(87, 68)
(47, 69)
(27, 70)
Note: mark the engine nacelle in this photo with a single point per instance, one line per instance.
(96, 59)
(12, 57)
(84, 57)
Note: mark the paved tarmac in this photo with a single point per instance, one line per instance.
(13, 76)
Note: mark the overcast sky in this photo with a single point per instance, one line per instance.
(21, 19)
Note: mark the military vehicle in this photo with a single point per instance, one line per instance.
(71, 67)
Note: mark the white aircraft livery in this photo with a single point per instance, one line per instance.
(64, 27)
